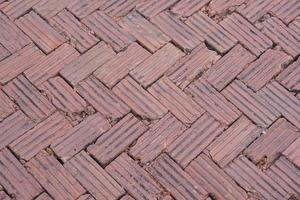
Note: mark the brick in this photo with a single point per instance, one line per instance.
(233, 141)
(186, 8)
(157, 139)
(118, 8)
(221, 7)
(50, 65)
(79, 35)
(48, 9)
(287, 10)
(214, 34)
(214, 180)
(134, 179)
(179, 183)
(178, 103)
(117, 68)
(108, 30)
(248, 176)
(13, 177)
(194, 140)
(213, 102)
(29, 99)
(19, 62)
(127, 197)
(247, 34)
(40, 32)
(289, 77)
(228, 67)
(4, 196)
(82, 9)
(151, 8)
(41, 136)
(295, 26)
(7, 107)
(179, 32)
(268, 147)
(102, 99)
(261, 71)
(86, 197)
(112, 143)
(185, 70)
(95, 179)
(87, 63)
(144, 32)
(80, 136)
(251, 104)
(293, 152)
(16, 8)
(3, 52)
(139, 100)
(282, 35)
(54, 178)
(43, 196)
(156, 65)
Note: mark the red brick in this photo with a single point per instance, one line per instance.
(293, 152)
(4, 196)
(41, 136)
(144, 32)
(95, 179)
(112, 143)
(117, 68)
(86, 197)
(82, 9)
(19, 62)
(133, 178)
(290, 76)
(221, 7)
(178, 103)
(214, 180)
(151, 8)
(179, 32)
(87, 63)
(15, 179)
(40, 32)
(118, 8)
(233, 141)
(295, 26)
(157, 139)
(186, 8)
(48, 9)
(213, 102)
(127, 197)
(139, 100)
(102, 99)
(156, 65)
(54, 178)
(29, 99)
(3, 52)
(7, 107)
(108, 30)
(194, 140)
(16, 8)
(79, 35)
(80, 136)
(44, 196)
(50, 65)
(286, 10)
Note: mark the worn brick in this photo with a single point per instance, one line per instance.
(86, 197)
(220, 7)
(118, 8)
(7, 107)
(186, 8)
(3, 52)
(287, 10)
(44, 196)
(290, 76)
(151, 8)
(82, 9)
(4, 196)
(48, 9)
(293, 152)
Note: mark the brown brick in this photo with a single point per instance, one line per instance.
(79, 136)
(133, 178)
(29, 99)
(108, 30)
(19, 62)
(179, 32)
(290, 76)
(214, 34)
(50, 65)
(4, 196)
(112, 143)
(16, 8)
(144, 32)
(44, 196)
(42, 135)
(252, 105)
(247, 34)
(102, 99)
(178, 103)
(214, 180)
(180, 184)
(91, 176)
(228, 67)
(79, 35)
(287, 10)
(139, 100)
(40, 32)
(186, 8)
(87, 63)
(157, 139)
(293, 152)
(194, 140)
(151, 8)
(86, 197)
(118, 8)
(48, 9)
(7, 107)
(213, 102)
(3, 52)
(156, 65)
(233, 141)
(220, 7)
(15, 179)
(54, 178)
(117, 68)
(82, 9)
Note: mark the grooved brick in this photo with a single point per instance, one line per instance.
(84, 8)
(3, 52)
(151, 8)
(7, 107)
(290, 76)
(220, 7)
(48, 9)
(16, 8)
(293, 152)
(44, 196)
(118, 8)
(86, 197)
(287, 10)
(4, 196)
(186, 8)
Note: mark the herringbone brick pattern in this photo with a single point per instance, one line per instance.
(149, 99)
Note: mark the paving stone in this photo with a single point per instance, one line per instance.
(118, 8)
(156, 65)
(48, 9)
(86, 197)
(91, 176)
(7, 107)
(43, 196)
(293, 152)
(54, 178)
(127, 197)
(295, 26)
(4, 196)
(16, 8)
(112, 143)
(151, 8)
(287, 10)
(82, 9)
(186, 8)
(13, 177)
(220, 7)
(3, 52)
(289, 77)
